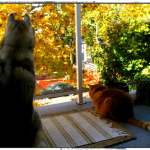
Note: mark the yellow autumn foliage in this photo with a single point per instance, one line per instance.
(54, 23)
(50, 24)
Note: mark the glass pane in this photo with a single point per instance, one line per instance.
(58, 87)
(115, 41)
(55, 54)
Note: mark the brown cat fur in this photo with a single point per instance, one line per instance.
(115, 104)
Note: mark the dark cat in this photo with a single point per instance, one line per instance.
(20, 123)
(115, 104)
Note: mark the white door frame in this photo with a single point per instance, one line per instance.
(78, 52)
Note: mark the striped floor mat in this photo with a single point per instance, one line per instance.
(75, 129)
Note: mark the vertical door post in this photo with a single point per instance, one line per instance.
(78, 52)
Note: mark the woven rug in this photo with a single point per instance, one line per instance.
(81, 129)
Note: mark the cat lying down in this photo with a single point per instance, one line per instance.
(115, 104)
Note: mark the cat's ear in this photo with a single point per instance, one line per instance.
(27, 19)
(89, 85)
(99, 82)
(11, 19)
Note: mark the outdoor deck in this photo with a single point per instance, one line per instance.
(142, 112)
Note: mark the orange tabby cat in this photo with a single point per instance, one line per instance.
(115, 104)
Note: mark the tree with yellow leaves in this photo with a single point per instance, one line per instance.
(54, 26)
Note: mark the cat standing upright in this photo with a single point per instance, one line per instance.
(115, 104)
(20, 124)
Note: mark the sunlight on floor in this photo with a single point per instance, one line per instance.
(47, 101)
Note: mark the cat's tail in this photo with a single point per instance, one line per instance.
(141, 124)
